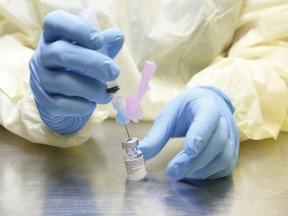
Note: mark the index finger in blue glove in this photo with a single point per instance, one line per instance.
(61, 25)
(62, 54)
(157, 137)
(172, 121)
(162, 129)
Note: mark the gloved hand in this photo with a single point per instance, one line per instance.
(203, 116)
(68, 74)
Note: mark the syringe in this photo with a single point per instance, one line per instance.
(112, 87)
(134, 158)
(118, 105)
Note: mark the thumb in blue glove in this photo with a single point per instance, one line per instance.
(204, 117)
(68, 74)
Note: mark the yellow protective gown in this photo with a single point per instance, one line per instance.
(237, 46)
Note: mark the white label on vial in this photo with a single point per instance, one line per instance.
(136, 168)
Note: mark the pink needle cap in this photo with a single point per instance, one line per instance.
(133, 108)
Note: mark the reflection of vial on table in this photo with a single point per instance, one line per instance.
(134, 160)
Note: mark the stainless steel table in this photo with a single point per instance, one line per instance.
(91, 179)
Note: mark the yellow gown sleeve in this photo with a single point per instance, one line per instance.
(254, 72)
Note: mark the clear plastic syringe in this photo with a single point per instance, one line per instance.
(112, 87)
(118, 104)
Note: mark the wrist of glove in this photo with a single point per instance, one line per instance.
(204, 116)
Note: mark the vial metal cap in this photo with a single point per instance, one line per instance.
(130, 143)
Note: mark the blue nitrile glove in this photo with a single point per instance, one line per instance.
(204, 117)
(68, 75)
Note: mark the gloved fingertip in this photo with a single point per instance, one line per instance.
(113, 39)
(148, 147)
(147, 152)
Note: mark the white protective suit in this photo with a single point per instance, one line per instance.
(237, 46)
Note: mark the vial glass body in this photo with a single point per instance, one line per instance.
(134, 163)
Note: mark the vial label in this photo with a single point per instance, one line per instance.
(136, 168)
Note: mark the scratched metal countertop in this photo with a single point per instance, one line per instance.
(90, 179)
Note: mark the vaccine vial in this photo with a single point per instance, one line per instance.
(134, 160)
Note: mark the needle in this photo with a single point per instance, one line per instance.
(127, 132)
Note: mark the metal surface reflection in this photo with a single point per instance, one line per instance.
(91, 179)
